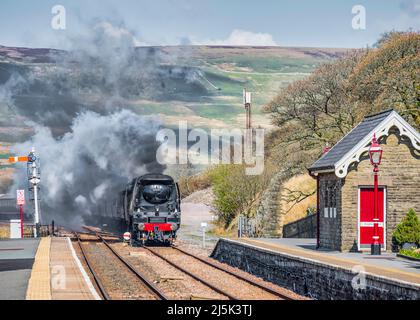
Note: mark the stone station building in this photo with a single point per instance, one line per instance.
(345, 183)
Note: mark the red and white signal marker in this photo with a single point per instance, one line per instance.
(127, 236)
(18, 159)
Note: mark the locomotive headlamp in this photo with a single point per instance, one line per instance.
(174, 226)
(140, 226)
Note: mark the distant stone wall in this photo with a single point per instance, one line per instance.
(310, 278)
(302, 228)
(399, 172)
(269, 216)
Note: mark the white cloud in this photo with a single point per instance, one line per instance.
(405, 19)
(411, 7)
(241, 38)
(119, 33)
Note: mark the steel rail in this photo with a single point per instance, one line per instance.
(240, 277)
(211, 286)
(98, 281)
(102, 233)
(149, 285)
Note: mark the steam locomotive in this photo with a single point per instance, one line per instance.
(150, 207)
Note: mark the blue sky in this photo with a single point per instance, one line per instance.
(321, 23)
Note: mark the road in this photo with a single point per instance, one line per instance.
(196, 210)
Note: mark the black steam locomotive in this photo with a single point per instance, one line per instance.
(150, 207)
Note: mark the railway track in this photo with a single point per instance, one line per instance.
(146, 284)
(95, 276)
(178, 262)
(200, 279)
(277, 293)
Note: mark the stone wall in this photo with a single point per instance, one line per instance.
(330, 211)
(310, 278)
(399, 172)
(302, 228)
(268, 217)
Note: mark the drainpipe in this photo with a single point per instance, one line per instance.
(317, 213)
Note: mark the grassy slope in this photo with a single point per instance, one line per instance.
(226, 71)
(305, 184)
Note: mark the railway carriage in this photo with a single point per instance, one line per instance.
(151, 208)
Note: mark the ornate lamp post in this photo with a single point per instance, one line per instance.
(375, 154)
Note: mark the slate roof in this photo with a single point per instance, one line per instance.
(340, 149)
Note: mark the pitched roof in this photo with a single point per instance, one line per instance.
(354, 138)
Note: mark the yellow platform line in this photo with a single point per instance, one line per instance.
(343, 262)
(39, 287)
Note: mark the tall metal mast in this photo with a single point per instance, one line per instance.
(248, 123)
(247, 105)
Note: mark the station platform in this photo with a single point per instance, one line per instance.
(58, 274)
(387, 265)
(295, 264)
(69, 280)
(16, 260)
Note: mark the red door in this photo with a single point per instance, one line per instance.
(366, 217)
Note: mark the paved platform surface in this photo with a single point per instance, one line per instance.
(387, 265)
(16, 261)
(39, 282)
(69, 281)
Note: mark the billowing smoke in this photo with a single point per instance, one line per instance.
(102, 71)
(82, 103)
(89, 165)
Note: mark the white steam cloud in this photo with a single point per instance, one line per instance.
(79, 101)
(88, 166)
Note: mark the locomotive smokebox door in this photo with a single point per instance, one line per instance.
(152, 206)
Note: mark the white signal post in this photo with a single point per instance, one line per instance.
(33, 176)
(34, 179)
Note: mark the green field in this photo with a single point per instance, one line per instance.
(226, 71)
(212, 99)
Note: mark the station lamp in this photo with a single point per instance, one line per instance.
(375, 155)
(375, 152)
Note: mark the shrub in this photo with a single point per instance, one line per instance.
(408, 230)
(410, 253)
(191, 184)
(236, 192)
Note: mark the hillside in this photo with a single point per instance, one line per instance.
(201, 84)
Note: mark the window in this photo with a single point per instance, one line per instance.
(330, 199)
